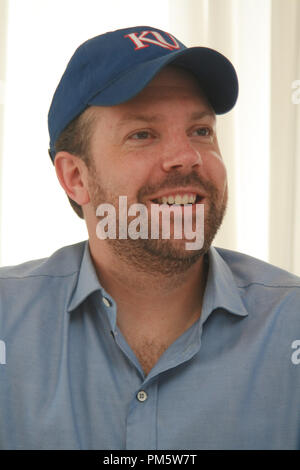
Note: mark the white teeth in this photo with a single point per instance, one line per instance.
(192, 199)
(178, 199)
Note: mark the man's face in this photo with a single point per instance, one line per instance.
(161, 143)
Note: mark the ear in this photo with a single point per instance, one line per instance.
(72, 173)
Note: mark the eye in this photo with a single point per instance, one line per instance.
(203, 132)
(140, 135)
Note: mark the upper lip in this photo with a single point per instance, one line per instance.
(180, 191)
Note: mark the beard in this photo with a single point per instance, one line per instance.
(164, 256)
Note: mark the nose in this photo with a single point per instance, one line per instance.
(181, 155)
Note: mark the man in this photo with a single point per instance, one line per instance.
(140, 343)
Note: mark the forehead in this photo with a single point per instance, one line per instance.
(175, 76)
(171, 81)
(172, 86)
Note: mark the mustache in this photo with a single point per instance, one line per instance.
(176, 179)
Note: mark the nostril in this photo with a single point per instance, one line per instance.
(177, 166)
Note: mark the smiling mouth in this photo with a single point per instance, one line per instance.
(179, 200)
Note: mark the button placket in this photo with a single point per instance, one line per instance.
(141, 422)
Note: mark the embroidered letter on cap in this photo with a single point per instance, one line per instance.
(158, 41)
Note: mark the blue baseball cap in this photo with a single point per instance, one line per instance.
(112, 68)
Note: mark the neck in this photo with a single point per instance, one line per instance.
(150, 301)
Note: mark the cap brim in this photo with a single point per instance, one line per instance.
(216, 75)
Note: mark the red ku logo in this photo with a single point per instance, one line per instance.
(157, 39)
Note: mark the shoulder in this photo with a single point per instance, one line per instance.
(250, 271)
(265, 290)
(62, 263)
(43, 280)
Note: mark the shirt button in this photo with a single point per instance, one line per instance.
(106, 302)
(142, 396)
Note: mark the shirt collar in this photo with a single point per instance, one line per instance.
(221, 288)
(87, 281)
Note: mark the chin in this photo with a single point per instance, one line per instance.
(172, 249)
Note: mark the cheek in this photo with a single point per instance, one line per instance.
(127, 176)
(216, 169)
(137, 170)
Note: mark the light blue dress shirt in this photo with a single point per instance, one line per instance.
(69, 380)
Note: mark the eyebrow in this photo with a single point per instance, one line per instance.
(159, 117)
